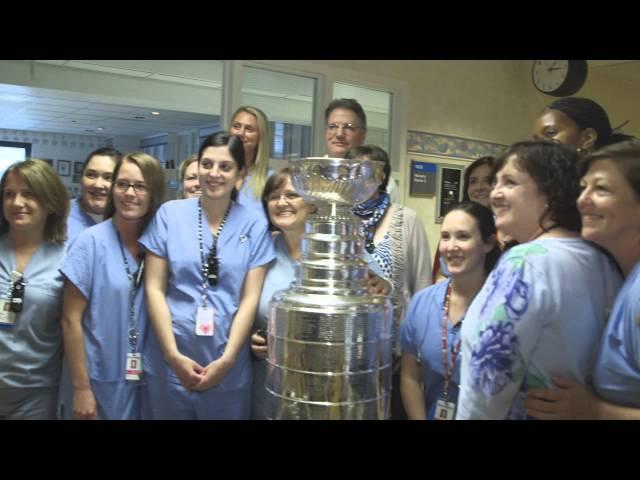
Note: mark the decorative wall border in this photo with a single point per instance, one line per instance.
(449, 146)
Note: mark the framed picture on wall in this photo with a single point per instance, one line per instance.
(64, 168)
(77, 168)
(76, 178)
(48, 160)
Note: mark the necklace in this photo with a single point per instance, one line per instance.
(209, 267)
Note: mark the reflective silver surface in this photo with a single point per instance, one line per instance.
(329, 341)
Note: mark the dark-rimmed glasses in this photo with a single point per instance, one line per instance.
(138, 187)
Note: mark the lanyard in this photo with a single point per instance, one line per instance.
(446, 367)
(212, 259)
(134, 283)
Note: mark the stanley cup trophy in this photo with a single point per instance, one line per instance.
(329, 340)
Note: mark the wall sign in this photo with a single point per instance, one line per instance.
(423, 179)
(449, 189)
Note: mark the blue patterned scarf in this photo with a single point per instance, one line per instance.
(371, 213)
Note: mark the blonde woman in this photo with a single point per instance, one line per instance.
(252, 126)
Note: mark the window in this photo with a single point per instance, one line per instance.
(288, 101)
(12, 152)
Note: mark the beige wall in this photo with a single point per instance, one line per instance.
(487, 100)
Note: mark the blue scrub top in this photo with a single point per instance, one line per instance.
(244, 244)
(245, 195)
(421, 336)
(95, 266)
(78, 221)
(31, 351)
(617, 372)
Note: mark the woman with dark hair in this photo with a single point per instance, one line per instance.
(430, 334)
(396, 249)
(477, 187)
(95, 186)
(578, 122)
(542, 310)
(287, 212)
(105, 317)
(610, 209)
(33, 228)
(206, 262)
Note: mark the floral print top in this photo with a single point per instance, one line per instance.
(540, 313)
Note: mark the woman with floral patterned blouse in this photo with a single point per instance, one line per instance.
(542, 311)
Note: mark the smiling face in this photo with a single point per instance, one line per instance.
(461, 245)
(218, 173)
(517, 202)
(131, 196)
(245, 126)
(191, 184)
(287, 209)
(20, 207)
(608, 206)
(96, 183)
(555, 126)
(343, 132)
(480, 185)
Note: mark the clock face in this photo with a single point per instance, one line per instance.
(549, 75)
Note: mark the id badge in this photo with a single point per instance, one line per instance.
(445, 410)
(133, 367)
(204, 321)
(7, 316)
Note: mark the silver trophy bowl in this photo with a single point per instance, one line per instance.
(329, 341)
(336, 180)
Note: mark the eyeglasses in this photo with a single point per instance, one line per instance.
(347, 127)
(123, 186)
(288, 197)
(17, 295)
(212, 267)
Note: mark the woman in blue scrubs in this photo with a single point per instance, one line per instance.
(287, 213)
(33, 229)
(206, 263)
(97, 174)
(430, 334)
(105, 319)
(610, 210)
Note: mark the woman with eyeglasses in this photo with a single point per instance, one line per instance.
(251, 125)
(105, 318)
(287, 213)
(97, 174)
(33, 230)
(206, 263)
